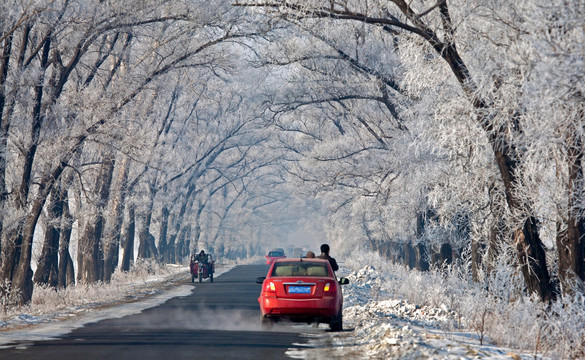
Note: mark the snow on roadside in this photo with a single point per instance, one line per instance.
(124, 296)
(380, 327)
(377, 325)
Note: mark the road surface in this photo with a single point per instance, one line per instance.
(219, 320)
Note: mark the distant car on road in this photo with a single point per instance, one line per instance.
(274, 254)
(302, 290)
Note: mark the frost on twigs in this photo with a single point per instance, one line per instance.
(9, 297)
(406, 315)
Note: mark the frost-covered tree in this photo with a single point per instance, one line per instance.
(70, 74)
(468, 71)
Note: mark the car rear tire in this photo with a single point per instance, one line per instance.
(336, 323)
(211, 277)
(200, 278)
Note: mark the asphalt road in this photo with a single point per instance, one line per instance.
(219, 320)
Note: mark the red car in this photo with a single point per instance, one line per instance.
(302, 290)
(273, 255)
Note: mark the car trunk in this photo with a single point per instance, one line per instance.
(295, 288)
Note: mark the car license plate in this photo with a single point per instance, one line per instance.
(299, 289)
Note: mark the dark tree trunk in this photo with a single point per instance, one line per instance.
(47, 271)
(178, 248)
(4, 128)
(182, 249)
(111, 250)
(20, 269)
(114, 229)
(186, 241)
(176, 236)
(162, 239)
(193, 241)
(128, 240)
(571, 234)
(529, 247)
(422, 258)
(89, 254)
(409, 255)
(22, 280)
(31, 205)
(12, 244)
(532, 258)
(477, 252)
(48, 265)
(172, 249)
(66, 270)
(397, 253)
(90, 242)
(421, 250)
(446, 254)
(147, 247)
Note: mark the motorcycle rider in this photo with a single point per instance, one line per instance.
(203, 258)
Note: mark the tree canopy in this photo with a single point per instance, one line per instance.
(425, 131)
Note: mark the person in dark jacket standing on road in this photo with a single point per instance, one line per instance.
(325, 255)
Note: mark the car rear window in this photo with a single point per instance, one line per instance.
(300, 269)
(275, 253)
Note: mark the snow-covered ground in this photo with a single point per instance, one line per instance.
(380, 322)
(379, 327)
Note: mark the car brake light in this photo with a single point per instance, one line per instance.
(270, 287)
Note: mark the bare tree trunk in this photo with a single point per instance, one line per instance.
(88, 254)
(529, 247)
(446, 254)
(22, 279)
(128, 240)
(11, 248)
(171, 249)
(147, 246)
(48, 265)
(4, 128)
(182, 249)
(66, 270)
(114, 228)
(47, 271)
(197, 236)
(397, 252)
(162, 239)
(21, 268)
(90, 242)
(533, 260)
(477, 250)
(422, 257)
(570, 235)
(409, 255)
(176, 236)
(421, 250)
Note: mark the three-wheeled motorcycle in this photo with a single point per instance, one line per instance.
(202, 270)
